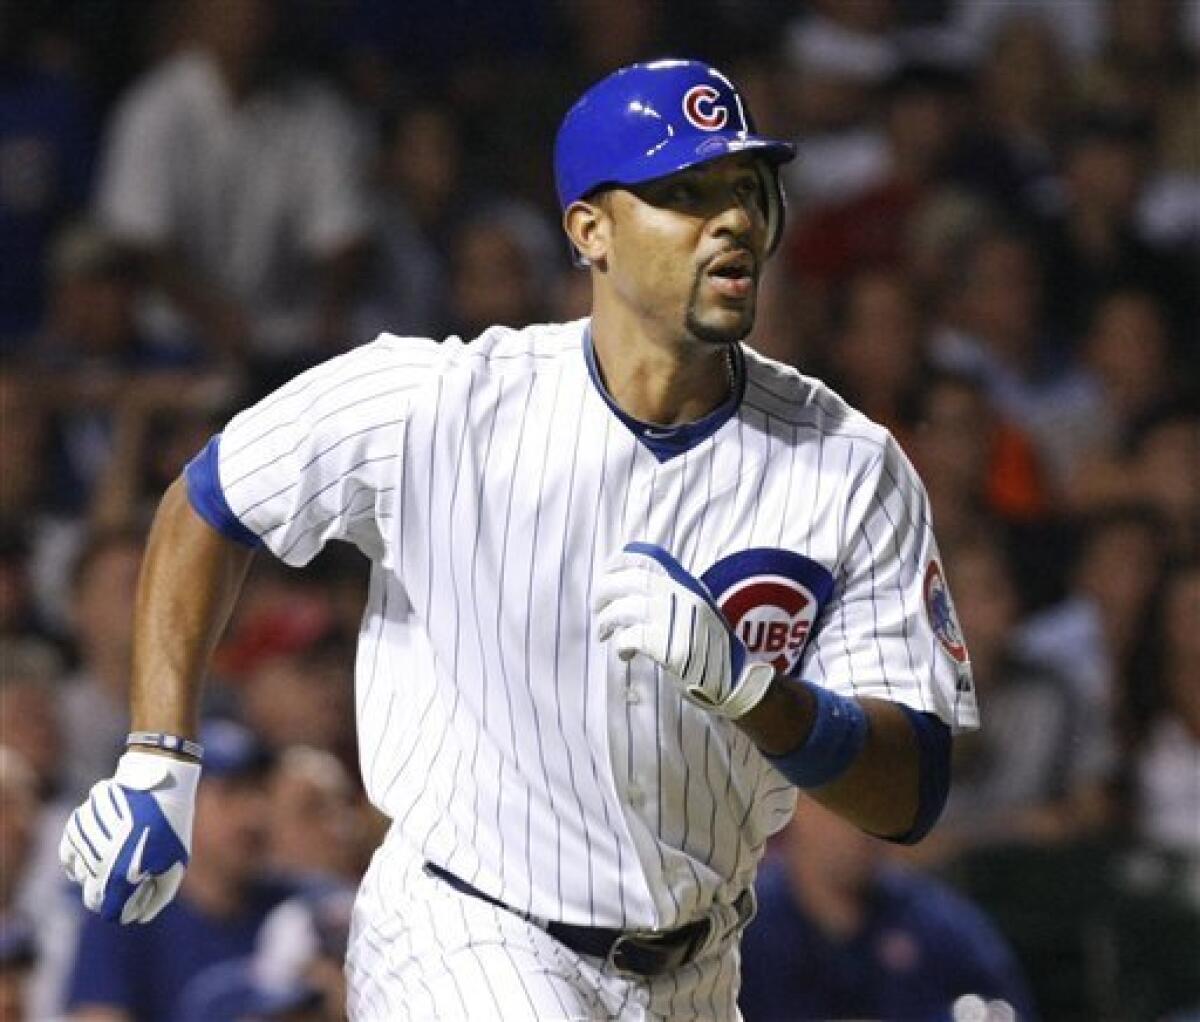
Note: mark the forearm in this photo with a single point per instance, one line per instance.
(879, 790)
(189, 583)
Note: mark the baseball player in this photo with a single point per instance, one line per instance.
(633, 585)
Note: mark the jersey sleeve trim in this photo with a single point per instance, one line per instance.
(934, 745)
(208, 499)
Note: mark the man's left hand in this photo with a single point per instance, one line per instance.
(648, 604)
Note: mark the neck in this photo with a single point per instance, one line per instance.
(661, 382)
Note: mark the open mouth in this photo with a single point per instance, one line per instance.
(733, 273)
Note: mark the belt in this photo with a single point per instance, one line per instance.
(639, 953)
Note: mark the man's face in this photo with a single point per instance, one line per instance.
(685, 251)
(230, 834)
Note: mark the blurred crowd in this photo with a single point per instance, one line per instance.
(993, 248)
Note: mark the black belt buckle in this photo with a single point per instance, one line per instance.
(651, 954)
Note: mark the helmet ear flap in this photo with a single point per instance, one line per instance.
(775, 205)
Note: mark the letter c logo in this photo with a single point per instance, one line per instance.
(702, 110)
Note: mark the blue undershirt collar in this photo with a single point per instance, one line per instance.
(666, 442)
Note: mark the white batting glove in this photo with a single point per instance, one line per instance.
(648, 604)
(128, 844)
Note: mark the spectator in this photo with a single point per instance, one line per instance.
(30, 722)
(303, 697)
(20, 617)
(1031, 776)
(991, 327)
(316, 825)
(1126, 362)
(1087, 638)
(144, 973)
(1165, 453)
(1094, 247)
(1006, 156)
(95, 700)
(841, 933)
(239, 188)
(877, 358)
(100, 369)
(18, 957)
(36, 915)
(47, 137)
(295, 972)
(1166, 738)
(975, 465)
(417, 194)
(868, 229)
(503, 261)
(838, 56)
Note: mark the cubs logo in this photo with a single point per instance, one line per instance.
(771, 600)
(773, 617)
(702, 109)
(942, 618)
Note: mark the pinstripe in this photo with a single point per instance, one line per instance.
(533, 1008)
(587, 840)
(529, 659)
(787, 486)
(883, 671)
(587, 682)
(328, 486)
(841, 605)
(343, 513)
(762, 481)
(443, 961)
(895, 533)
(507, 688)
(487, 983)
(340, 441)
(303, 382)
(457, 600)
(303, 415)
(374, 674)
(483, 659)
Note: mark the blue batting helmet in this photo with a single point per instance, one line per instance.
(649, 120)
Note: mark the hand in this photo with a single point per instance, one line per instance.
(648, 604)
(128, 844)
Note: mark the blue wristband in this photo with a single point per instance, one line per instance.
(838, 733)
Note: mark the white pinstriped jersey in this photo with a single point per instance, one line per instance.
(489, 483)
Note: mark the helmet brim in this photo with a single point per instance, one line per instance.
(683, 154)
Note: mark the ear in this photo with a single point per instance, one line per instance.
(588, 226)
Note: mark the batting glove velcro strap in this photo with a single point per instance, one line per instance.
(127, 845)
(648, 604)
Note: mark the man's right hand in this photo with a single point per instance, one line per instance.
(128, 844)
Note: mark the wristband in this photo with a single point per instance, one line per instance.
(838, 733)
(168, 743)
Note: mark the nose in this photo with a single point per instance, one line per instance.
(741, 218)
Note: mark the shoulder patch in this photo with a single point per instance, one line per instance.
(942, 619)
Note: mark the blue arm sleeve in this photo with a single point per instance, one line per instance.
(933, 745)
(208, 499)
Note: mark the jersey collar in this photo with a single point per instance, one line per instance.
(666, 442)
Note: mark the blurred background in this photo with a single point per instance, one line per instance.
(993, 248)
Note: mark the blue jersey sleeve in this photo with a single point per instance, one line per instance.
(208, 499)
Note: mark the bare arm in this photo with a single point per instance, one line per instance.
(878, 792)
(189, 583)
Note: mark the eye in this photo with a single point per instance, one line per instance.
(747, 188)
(682, 193)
